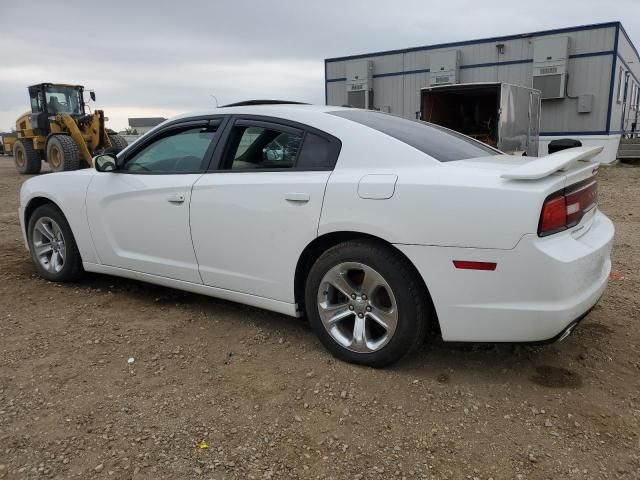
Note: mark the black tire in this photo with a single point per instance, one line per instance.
(72, 267)
(26, 158)
(412, 300)
(63, 154)
(118, 143)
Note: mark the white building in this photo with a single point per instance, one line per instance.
(589, 77)
(143, 124)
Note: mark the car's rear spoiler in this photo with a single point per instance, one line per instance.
(559, 161)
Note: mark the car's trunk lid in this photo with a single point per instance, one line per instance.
(575, 164)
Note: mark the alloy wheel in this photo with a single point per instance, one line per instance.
(357, 307)
(49, 245)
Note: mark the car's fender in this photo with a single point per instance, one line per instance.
(67, 190)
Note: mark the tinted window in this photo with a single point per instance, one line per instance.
(442, 144)
(254, 147)
(317, 152)
(179, 152)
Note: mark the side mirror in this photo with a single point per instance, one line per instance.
(105, 162)
(92, 94)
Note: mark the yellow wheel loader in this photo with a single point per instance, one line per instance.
(6, 144)
(59, 131)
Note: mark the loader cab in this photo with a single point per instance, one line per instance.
(48, 99)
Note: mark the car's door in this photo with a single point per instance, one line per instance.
(253, 214)
(139, 213)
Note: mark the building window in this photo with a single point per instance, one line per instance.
(620, 86)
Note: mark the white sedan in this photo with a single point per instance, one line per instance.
(374, 226)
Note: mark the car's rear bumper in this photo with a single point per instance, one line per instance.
(536, 292)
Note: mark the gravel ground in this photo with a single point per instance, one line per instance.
(217, 390)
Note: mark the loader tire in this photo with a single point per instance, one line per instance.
(118, 143)
(26, 158)
(62, 153)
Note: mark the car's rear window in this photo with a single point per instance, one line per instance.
(440, 143)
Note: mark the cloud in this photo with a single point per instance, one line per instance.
(164, 57)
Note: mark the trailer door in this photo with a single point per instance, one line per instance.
(534, 123)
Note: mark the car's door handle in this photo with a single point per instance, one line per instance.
(297, 197)
(176, 198)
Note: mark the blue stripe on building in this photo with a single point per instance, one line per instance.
(477, 65)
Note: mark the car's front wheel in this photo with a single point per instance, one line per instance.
(52, 245)
(366, 303)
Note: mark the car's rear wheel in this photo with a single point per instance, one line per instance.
(366, 303)
(52, 245)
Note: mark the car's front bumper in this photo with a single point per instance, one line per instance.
(536, 292)
(23, 227)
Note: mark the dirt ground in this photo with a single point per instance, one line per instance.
(269, 402)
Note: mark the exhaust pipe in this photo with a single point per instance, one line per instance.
(567, 331)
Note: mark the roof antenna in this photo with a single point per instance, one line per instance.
(215, 98)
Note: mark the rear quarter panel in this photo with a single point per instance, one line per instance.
(434, 203)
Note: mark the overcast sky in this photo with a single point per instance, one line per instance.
(161, 58)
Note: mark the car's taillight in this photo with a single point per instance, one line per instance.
(554, 215)
(566, 208)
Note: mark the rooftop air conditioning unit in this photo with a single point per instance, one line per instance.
(550, 57)
(444, 67)
(360, 84)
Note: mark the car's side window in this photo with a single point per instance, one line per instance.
(318, 153)
(180, 151)
(252, 147)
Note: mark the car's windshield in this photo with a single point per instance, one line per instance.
(61, 99)
(440, 143)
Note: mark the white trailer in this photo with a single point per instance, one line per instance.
(502, 115)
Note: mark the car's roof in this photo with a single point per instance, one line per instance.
(284, 109)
